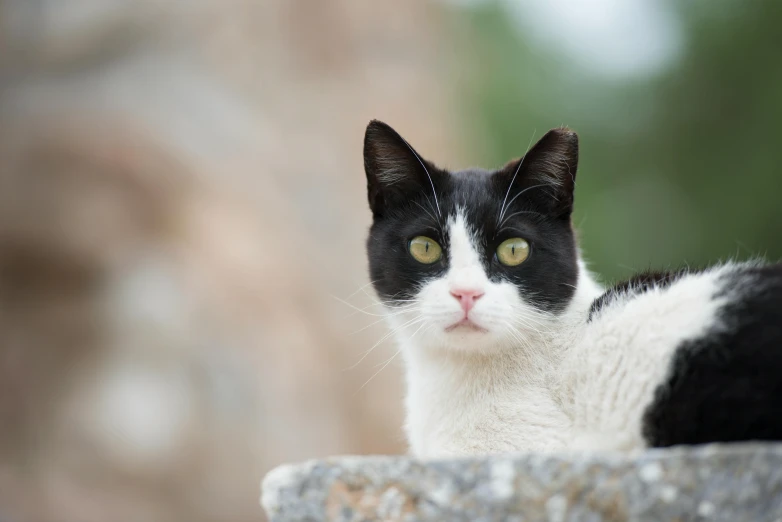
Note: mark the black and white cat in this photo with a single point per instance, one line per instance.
(510, 345)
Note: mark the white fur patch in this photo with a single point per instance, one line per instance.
(610, 375)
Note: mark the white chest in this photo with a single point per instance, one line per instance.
(494, 420)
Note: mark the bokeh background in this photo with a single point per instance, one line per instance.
(182, 210)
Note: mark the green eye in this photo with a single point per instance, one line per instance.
(425, 250)
(512, 252)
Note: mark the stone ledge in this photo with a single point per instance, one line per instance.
(731, 483)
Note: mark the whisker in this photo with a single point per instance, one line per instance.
(389, 302)
(424, 209)
(373, 323)
(380, 370)
(502, 208)
(364, 290)
(500, 231)
(519, 194)
(531, 324)
(524, 314)
(525, 343)
(430, 204)
(427, 175)
(423, 323)
(528, 323)
(406, 310)
(356, 308)
(362, 287)
(419, 329)
(386, 336)
(521, 212)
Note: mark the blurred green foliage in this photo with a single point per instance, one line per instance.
(682, 167)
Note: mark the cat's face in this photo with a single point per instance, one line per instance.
(471, 260)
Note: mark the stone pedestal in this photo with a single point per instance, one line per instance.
(718, 483)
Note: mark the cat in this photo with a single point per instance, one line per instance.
(510, 344)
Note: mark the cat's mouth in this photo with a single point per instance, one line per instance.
(466, 325)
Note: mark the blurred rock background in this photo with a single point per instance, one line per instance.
(182, 211)
(181, 194)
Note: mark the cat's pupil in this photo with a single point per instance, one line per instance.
(426, 248)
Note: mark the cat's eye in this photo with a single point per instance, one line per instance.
(512, 252)
(425, 250)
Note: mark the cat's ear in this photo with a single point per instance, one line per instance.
(395, 171)
(550, 167)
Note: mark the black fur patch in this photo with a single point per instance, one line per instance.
(638, 284)
(727, 385)
(410, 196)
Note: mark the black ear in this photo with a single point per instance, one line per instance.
(395, 171)
(548, 171)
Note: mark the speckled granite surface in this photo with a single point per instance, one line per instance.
(718, 483)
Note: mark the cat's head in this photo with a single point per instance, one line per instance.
(471, 260)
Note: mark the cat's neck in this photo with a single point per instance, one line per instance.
(459, 403)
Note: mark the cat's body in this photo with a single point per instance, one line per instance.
(616, 375)
(509, 344)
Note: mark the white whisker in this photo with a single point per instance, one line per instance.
(434, 193)
(386, 336)
(529, 319)
(519, 194)
(419, 329)
(424, 209)
(430, 203)
(502, 208)
(357, 309)
(380, 370)
(370, 325)
(406, 310)
(385, 303)
(362, 287)
(354, 306)
(520, 212)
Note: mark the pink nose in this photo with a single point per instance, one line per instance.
(467, 297)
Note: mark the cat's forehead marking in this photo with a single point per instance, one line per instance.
(463, 248)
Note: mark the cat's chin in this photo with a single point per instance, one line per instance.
(467, 338)
(451, 333)
(466, 326)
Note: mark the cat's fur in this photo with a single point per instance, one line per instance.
(549, 361)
